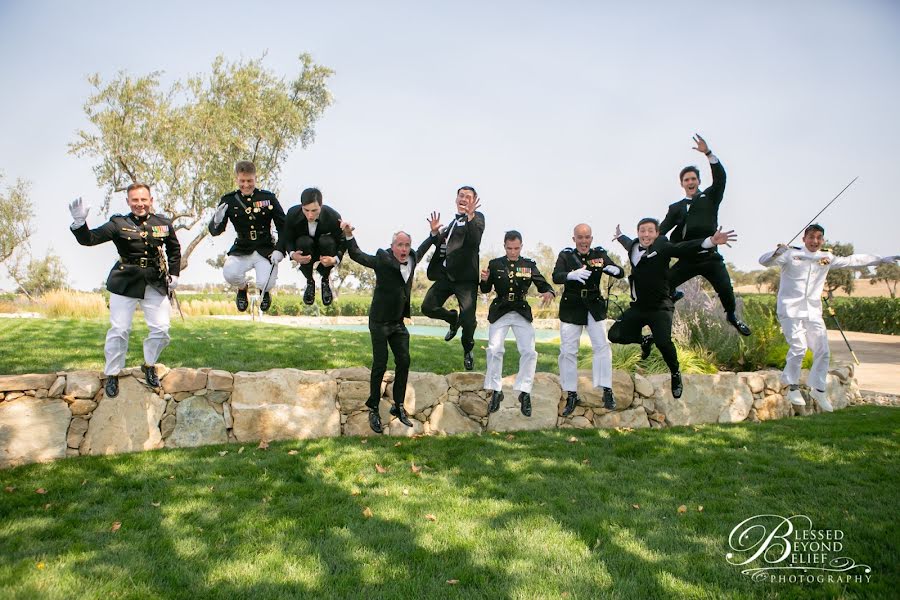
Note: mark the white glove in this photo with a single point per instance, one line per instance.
(220, 214)
(780, 250)
(276, 257)
(581, 275)
(612, 270)
(79, 212)
(173, 282)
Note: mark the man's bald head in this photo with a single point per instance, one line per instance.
(583, 237)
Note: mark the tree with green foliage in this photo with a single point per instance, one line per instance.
(15, 218)
(185, 140)
(889, 273)
(770, 278)
(839, 278)
(42, 275)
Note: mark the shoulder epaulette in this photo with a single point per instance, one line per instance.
(569, 250)
(600, 249)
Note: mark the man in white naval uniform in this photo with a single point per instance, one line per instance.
(803, 272)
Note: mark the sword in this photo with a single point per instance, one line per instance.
(271, 272)
(838, 323)
(164, 266)
(823, 210)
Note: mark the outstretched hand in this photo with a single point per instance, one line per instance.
(79, 211)
(723, 237)
(701, 146)
(471, 207)
(618, 233)
(434, 222)
(346, 227)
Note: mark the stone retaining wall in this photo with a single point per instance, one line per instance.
(49, 416)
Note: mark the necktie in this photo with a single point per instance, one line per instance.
(641, 249)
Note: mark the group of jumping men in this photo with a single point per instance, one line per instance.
(316, 238)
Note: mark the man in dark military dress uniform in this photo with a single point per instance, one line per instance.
(511, 276)
(138, 277)
(651, 302)
(583, 307)
(251, 212)
(394, 271)
(312, 234)
(454, 271)
(696, 217)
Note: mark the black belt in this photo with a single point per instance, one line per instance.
(142, 262)
(513, 297)
(589, 293)
(254, 236)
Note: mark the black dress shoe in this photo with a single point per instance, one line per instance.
(150, 375)
(496, 399)
(646, 346)
(327, 296)
(241, 300)
(468, 360)
(453, 328)
(112, 386)
(677, 295)
(609, 401)
(525, 401)
(266, 302)
(571, 401)
(398, 411)
(677, 387)
(309, 294)
(375, 420)
(742, 327)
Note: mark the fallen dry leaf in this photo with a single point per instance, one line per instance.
(364, 441)
(510, 436)
(154, 504)
(636, 506)
(700, 508)
(10, 489)
(116, 526)
(266, 499)
(380, 469)
(84, 482)
(398, 444)
(414, 468)
(40, 565)
(47, 506)
(241, 449)
(405, 492)
(453, 581)
(354, 492)
(682, 509)
(431, 517)
(263, 445)
(292, 452)
(171, 477)
(367, 512)
(586, 462)
(223, 452)
(572, 439)
(40, 491)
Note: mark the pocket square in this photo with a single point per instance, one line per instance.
(652, 254)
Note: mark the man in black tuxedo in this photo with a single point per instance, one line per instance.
(394, 270)
(651, 301)
(696, 217)
(312, 233)
(454, 271)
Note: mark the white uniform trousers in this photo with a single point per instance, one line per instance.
(569, 339)
(523, 330)
(121, 312)
(236, 267)
(800, 335)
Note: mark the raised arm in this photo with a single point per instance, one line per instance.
(859, 260)
(717, 189)
(220, 219)
(777, 257)
(93, 237)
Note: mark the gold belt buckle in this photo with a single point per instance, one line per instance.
(584, 293)
(511, 297)
(253, 235)
(142, 263)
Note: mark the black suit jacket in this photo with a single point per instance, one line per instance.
(511, 280)
(296, 225)
(139, 242)
(650, 277)
(390, 299)
(702, 220)
(578, 298)
(462, 252)
(252, 219)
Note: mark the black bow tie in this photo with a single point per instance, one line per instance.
(460, 216)
(641, 249)
(405, 263)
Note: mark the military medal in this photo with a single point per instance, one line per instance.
(256, 209)
(248, 210)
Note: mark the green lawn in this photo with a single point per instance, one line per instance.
(45, 345)
(530, 515)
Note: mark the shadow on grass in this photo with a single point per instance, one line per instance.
(531, 515)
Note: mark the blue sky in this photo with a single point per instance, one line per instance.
(557, 112)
